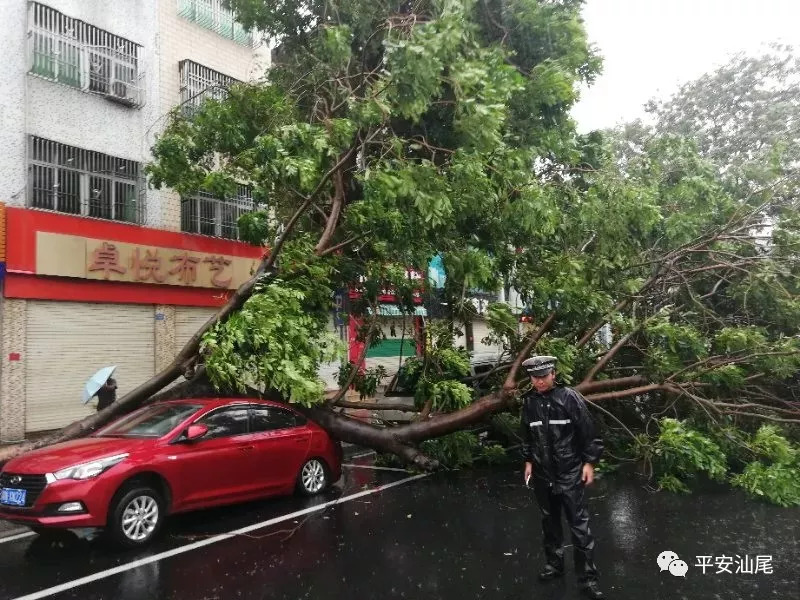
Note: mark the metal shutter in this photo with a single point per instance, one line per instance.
(327, 371)
(480, 329)
(188, 320)
(66, 342)
(481, 351)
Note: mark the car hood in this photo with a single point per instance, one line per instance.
(67, 454)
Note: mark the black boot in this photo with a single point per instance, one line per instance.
(591, 589)
(550, 572)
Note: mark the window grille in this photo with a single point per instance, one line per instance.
(213, 15)
(74, 53)
(199, 83)
(83, 182)
(208, 215)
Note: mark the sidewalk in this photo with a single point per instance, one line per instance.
(8, 529)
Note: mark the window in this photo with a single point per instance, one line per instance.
(152, 421)
(77, 54)
(225, 422)
(82, 182)
(270, 418)
(213, 15)
(199, 83)
(207, 215)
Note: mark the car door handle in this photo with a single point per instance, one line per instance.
(246, 448)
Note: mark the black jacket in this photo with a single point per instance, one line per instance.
(107, 395)
(558, 436)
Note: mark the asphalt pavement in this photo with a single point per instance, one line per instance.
(452, 536)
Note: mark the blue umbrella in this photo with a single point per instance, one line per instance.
(96, 381)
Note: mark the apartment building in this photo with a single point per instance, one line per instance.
(99, 269)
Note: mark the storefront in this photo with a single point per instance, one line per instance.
(400, 333)
(82, 294)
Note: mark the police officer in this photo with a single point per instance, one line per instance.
(560, 448)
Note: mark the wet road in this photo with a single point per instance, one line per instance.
(458, 535)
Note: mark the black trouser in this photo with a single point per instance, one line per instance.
(574, 505)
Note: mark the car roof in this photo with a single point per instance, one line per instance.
(213, 402)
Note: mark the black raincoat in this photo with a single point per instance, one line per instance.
(559, 437)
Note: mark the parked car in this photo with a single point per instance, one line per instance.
(403, 384)
(168, 458)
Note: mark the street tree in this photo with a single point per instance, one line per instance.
(388, 132)
(742, 117)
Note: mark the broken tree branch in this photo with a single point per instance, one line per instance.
(375, 405)
(598, 366)
(644, 389)
(510, 382)
(605, 384)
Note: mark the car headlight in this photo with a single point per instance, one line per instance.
(87, 470)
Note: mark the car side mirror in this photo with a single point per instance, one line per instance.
(195, 432)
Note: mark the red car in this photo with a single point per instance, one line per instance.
(168, 458)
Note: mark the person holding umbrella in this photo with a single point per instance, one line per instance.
(107, 394)
(560, 448)
(102, 385)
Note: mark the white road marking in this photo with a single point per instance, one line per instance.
(352, 466)
(18, 536)
(207, 542)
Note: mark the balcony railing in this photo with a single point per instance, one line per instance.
(213, 15)
(199, 83)
(207, 215)
(83, 182)
(80, 55)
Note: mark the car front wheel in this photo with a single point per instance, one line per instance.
(136, 516)
(313, 477)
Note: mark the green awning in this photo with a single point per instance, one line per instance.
(393, 347)
(392, 310)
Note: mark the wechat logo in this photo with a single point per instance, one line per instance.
(669, 561)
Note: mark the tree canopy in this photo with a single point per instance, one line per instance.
(389, 132)
(742, 118)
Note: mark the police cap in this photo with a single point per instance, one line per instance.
(539, 366)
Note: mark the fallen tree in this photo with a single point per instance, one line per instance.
(390, 132)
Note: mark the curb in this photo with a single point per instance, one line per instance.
(350, 450)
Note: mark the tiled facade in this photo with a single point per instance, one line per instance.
(180, 39)
(165, 335)
(12, 374)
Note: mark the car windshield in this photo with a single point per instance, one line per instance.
(151, 422)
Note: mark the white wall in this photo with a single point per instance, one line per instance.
(13, 37)
(89, 121)
(34, 106)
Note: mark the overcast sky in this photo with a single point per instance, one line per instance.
(650, 47)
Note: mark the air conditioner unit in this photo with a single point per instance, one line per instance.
(123, 93)
(121, 86)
